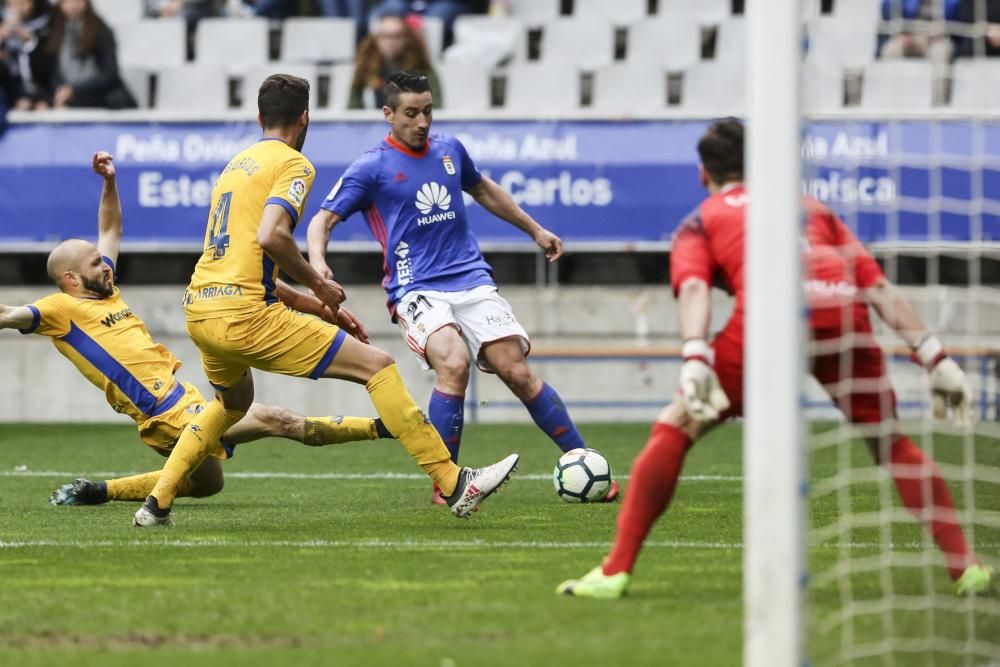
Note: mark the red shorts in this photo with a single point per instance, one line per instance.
(849, 365)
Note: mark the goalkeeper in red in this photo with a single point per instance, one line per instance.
(843, 280)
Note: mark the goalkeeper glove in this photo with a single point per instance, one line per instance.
(949, 384)
(704, 398)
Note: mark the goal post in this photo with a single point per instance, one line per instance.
(773, 442)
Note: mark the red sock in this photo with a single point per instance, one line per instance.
(916, 475)
(650, 487)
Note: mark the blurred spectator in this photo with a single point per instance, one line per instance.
(977, 11)
(924, 34)
(24, 28)
(446, 10)
(393, 46)
(82, 55)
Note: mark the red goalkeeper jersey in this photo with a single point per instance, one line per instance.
(709, 245)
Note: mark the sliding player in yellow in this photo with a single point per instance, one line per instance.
(234, 317)
(93, 327)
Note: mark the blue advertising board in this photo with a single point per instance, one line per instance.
(919, 181)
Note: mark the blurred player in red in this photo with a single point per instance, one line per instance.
(843, 280)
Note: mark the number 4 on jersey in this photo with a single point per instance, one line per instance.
(218, 235)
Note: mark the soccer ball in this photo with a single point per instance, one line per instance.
(582, 476)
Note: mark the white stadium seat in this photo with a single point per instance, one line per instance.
(314, 40)
(584, 42)
(629, 88)
(716, 88)
(673, 44)
(198, 87)
(619, 12)
(731, 41)
(706, 12)
(256, 75)
(433, 33)
(237, 43)
(836, 41)
(341, 77)
(118, 12)
(486, 40)
(861, 12)
(903, 85)
(976, 84)
(465, 87)
(822, 88)
(534, 87)
(153, 43)
(137, 81)
(535, 12)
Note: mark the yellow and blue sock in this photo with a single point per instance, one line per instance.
(551, 415)
(446, 412)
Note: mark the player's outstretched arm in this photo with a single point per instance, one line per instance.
(704, 399)
(317, 238)
(275, 237)
(497, 201)
(949, 384)
(307, 303)
(109, 212)
(16, 317)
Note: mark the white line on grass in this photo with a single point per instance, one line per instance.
(403, 476)
(422, 544)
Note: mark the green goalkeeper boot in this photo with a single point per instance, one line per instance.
(596, 585)
(976, 580)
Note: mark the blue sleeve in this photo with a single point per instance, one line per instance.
(470, 173)
(354, 191)
(114, 270)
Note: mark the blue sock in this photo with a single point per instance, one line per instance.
(551, 415)
(447, 414)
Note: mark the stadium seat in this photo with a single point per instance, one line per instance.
(542, 87)
(810, 9)
(584, 42)
(152, 44)
(731, 41)
(316, 40)
(118, 12)
(465, 87)
(137, 81)
(341, 77)
(898, 85)
(707, 12)
(535, 13)
(486, 40)
(716, 88)
(238, 43)
(255, 76)
(673, 44)
(836, 41)
(861, 12)
(975, 84)
(629, 88)
(822, 88)
(433, 32)
(198, 87)
(620, 12)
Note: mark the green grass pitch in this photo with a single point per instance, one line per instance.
(286, 567)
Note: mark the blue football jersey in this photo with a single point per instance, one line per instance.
(413, 205)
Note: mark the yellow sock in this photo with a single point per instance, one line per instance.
(137, 487)
(321, 431)
(408, 423)
(195, 442)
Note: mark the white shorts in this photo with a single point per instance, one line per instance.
(480, 314)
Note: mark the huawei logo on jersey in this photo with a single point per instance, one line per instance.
(433, 194)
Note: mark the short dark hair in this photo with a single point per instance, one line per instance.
(281, 99)
(721, 150)
(404, 82)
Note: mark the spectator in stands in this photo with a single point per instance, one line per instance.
(977, 11)
(82, 55)
(924, 34)
(393, 46)
(446, 10)
(24, 28)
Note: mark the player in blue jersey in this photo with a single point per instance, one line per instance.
(441, 290)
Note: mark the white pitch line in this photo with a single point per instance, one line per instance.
(422, 544)
(403, 476)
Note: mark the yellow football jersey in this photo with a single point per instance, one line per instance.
(234, 274)
(111, 347)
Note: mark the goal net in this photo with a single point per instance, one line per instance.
(901, 138)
